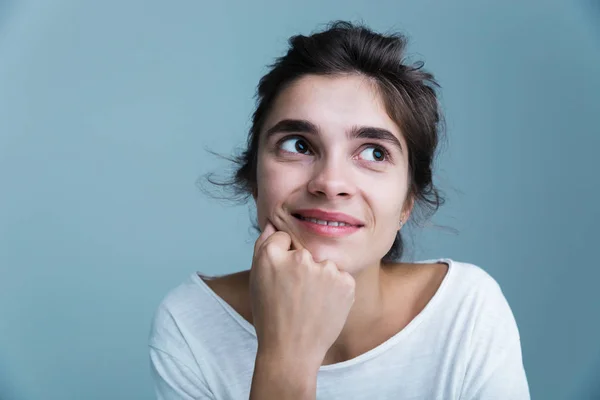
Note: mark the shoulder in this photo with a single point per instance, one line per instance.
(471, 303)
(194, 291)
(176, 356)
(473, 283)
(195, 306)
(176, 306)
(481, 306)
(188, 307)
(471, 273)
(179, 300)
(488, 333)
(478, 284)
(459, 280)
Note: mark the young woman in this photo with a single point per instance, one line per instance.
(339, 158)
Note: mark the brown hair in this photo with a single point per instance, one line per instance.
(408, 91)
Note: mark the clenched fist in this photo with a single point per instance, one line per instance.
(299, 306)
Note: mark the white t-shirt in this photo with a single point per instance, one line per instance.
(463, 345)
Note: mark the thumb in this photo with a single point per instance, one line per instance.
(295, 242)
(268, 230)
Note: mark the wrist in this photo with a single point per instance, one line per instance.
(296, 364)
(297, 371)
(280, 378)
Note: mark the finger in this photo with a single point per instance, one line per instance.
(295, 242)
(265, 234)
(279, 240)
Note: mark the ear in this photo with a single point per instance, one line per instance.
(407, 209)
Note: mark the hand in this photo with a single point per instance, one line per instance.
(299, 306)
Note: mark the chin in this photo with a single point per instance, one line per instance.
(321, 254)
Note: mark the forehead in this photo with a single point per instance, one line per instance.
(334, 103)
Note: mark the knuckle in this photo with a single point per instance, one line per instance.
(330, 268)
(270, 250)
(303, 256)
(280, 235)
(346, 280)
(349, 281)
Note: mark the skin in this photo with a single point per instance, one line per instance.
(341, 174)
(338, 173)
(347, 174)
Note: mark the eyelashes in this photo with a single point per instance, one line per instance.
(301, 146)
(377, 152)
(296, 144)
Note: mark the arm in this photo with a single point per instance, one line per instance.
(281, 378)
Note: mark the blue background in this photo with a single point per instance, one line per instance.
(107, 107)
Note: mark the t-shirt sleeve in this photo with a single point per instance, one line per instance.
(495, 368)
(505, 381)
(173, 380)
(175, 372)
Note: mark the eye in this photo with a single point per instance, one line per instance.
(374, 153)
(295, 145)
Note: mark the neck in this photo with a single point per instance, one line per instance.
(367, 312)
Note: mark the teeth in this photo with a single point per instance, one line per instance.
(322, 222)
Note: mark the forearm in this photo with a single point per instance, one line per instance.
(281, 378)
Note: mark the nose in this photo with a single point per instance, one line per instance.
(332, 179)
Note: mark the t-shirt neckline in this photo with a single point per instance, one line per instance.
(411, 326)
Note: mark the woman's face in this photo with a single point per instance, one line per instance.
(328, 151)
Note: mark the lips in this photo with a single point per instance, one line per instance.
(330, 218)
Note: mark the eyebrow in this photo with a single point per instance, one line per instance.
(358, 132)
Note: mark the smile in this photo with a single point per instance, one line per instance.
(322, 222)
(327, 223)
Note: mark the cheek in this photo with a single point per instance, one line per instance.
(386, 201)
(275, 182)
